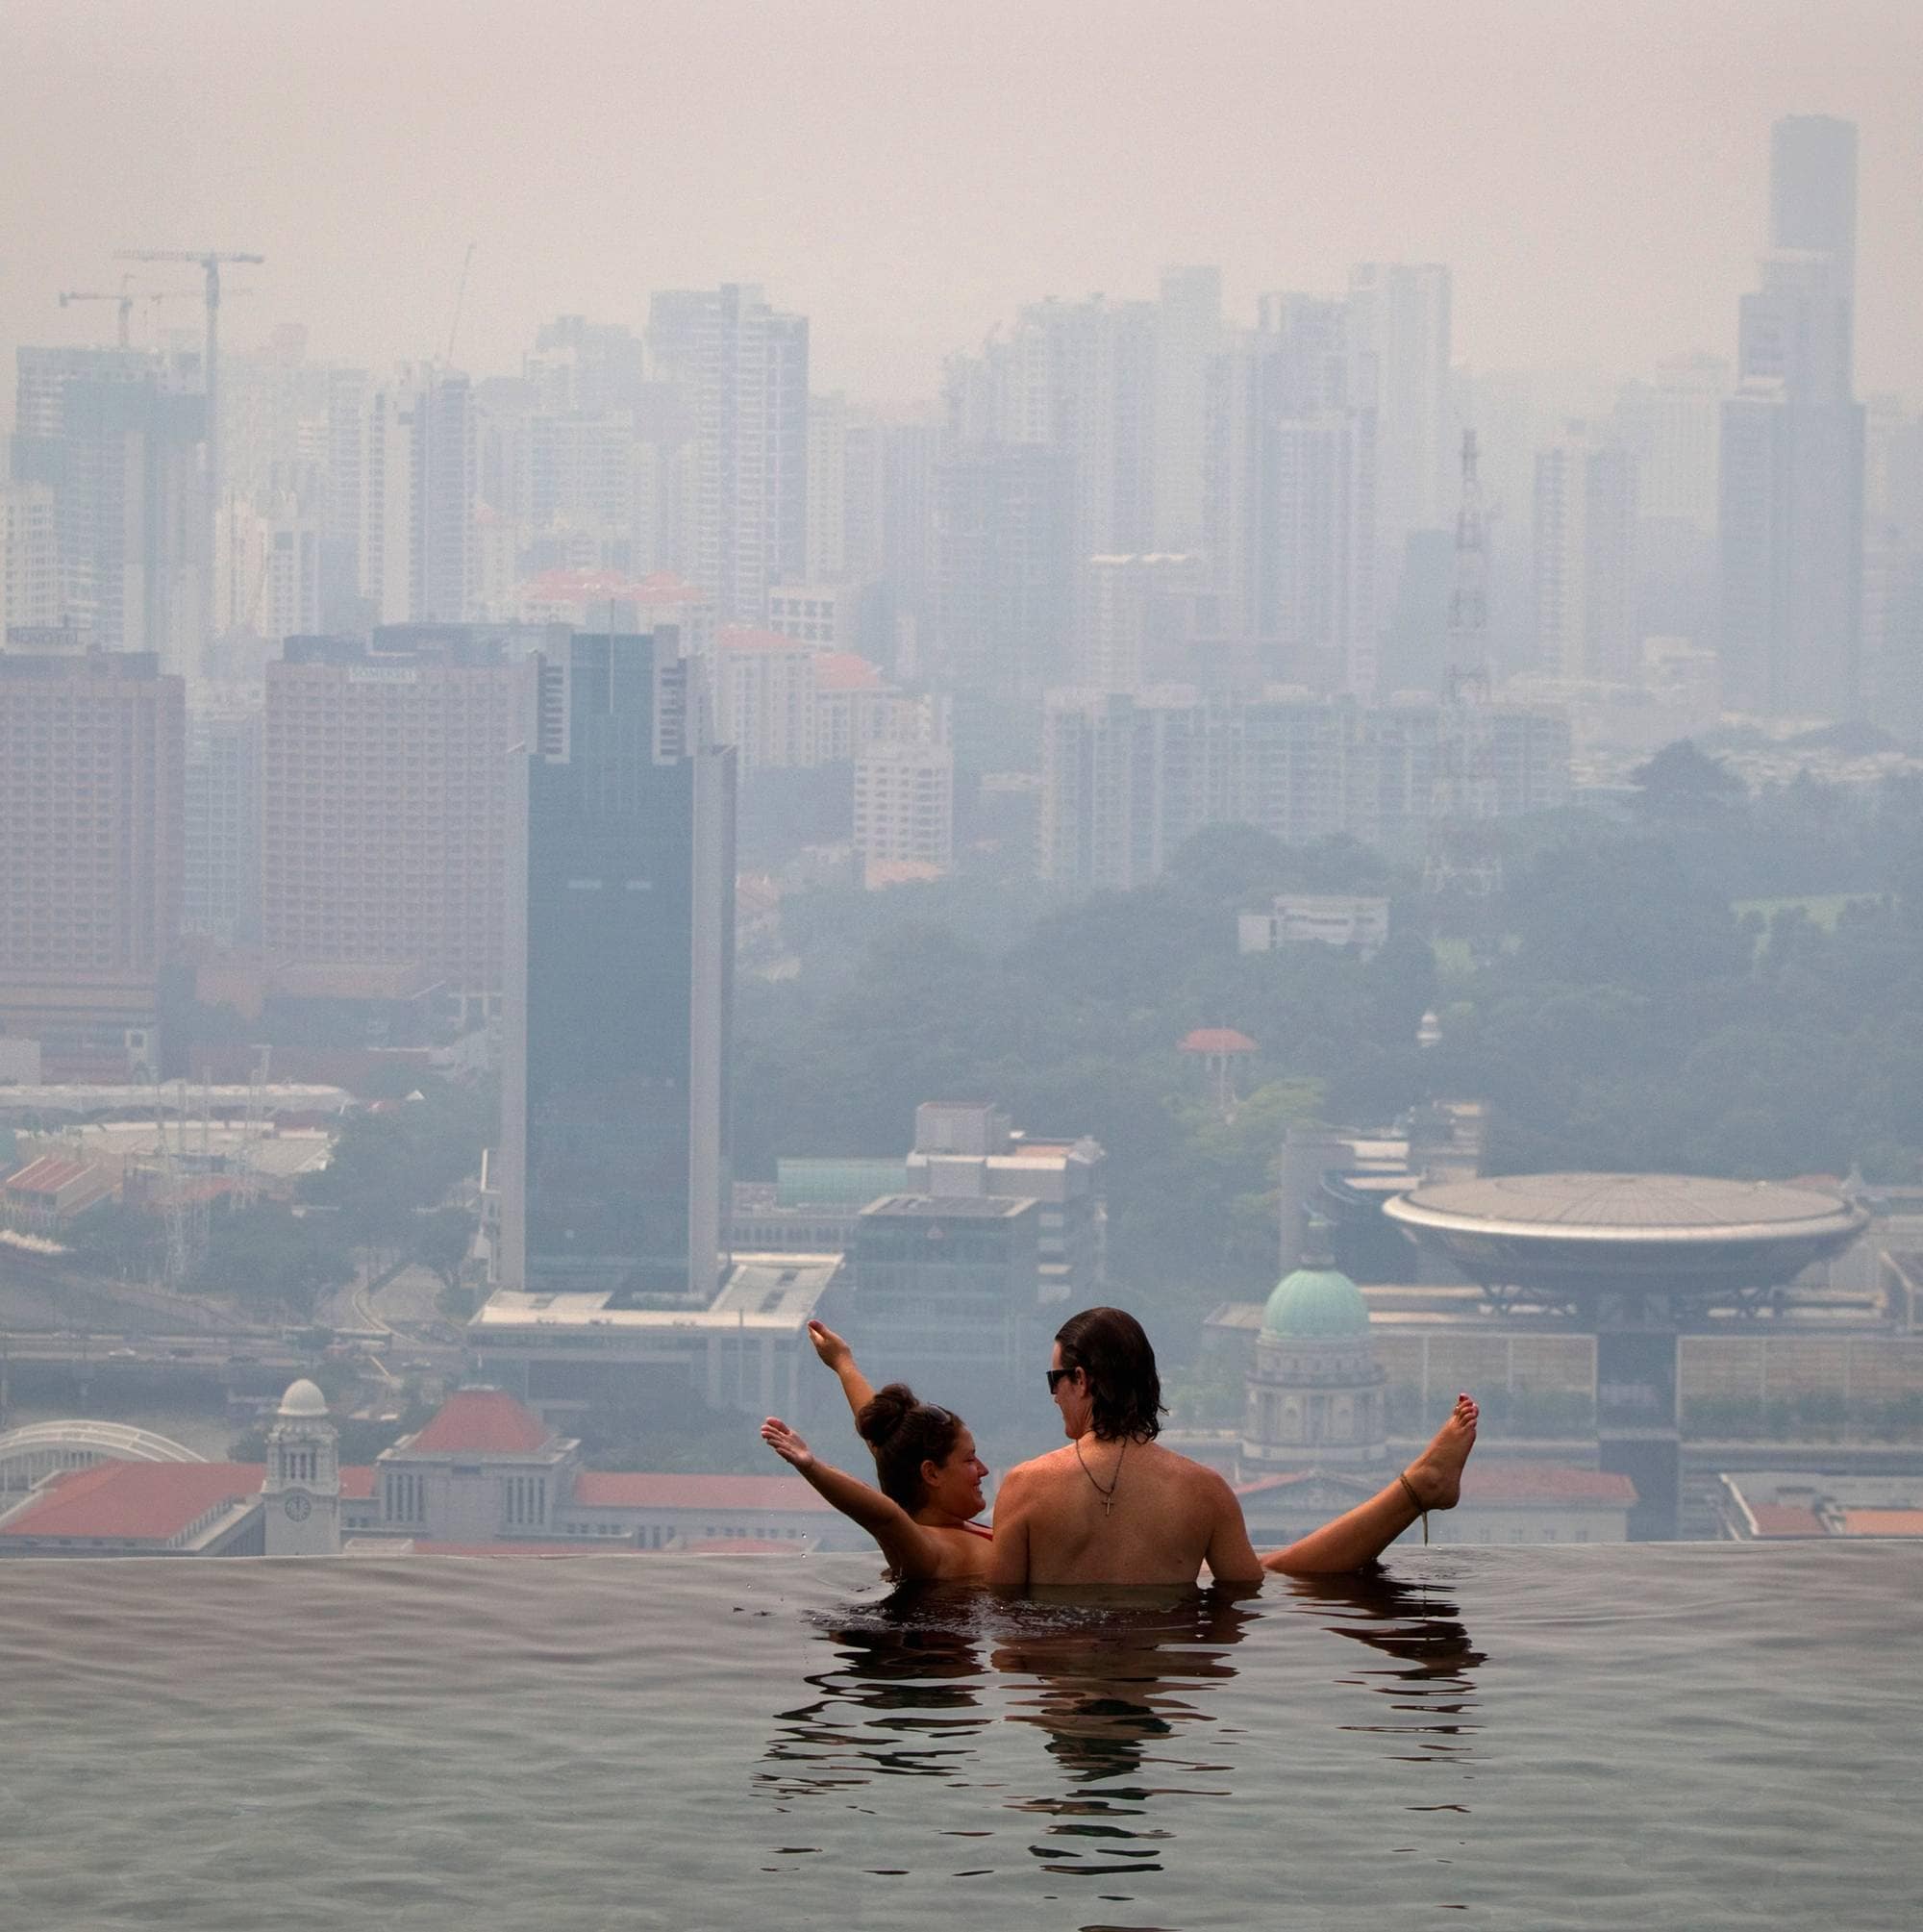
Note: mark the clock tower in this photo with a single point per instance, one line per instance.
(302, 1492)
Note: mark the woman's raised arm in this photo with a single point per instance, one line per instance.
(914, 1552)
(835, 1354)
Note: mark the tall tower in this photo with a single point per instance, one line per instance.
(301, 1491)
(616, 1134)
(1792, 448)
(1462, 853)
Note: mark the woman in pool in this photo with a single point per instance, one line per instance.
(923, 1513)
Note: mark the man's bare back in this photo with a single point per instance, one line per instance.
(1164, 1518)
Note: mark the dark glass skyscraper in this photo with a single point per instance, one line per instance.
(621, 963)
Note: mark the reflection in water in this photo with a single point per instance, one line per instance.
(1131, 1694)
(1430, 1684)
(900, 1701)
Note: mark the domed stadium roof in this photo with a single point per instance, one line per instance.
(303, 1399)
(1316, 1304)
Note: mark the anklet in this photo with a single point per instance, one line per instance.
(1417, 1501)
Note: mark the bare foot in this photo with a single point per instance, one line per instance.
(1436, 1474)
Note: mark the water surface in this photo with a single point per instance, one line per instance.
(1681, 1735)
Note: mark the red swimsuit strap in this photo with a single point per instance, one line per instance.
(976, 1529)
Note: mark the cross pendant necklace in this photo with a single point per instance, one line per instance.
(1108, 1494)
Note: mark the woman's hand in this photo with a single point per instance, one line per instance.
(787, 1445)
(835, 1353)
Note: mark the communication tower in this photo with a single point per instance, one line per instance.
(1462, 854)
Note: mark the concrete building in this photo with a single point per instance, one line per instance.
(1134, 616)
(221, 890)
(1399, 344)
(387, 788)
(1314, 1396)
(1316, 918)
(30, 579)
(765, 699)
(92, 752)
(1127, 780)
(615, 1119)
(964, 1148)
(904, 810)
(568, 1353)
(1792, 449)
(417, 543)
(1586, 519)
(1187, 334)
(1796, 1506)
(825, 614)
(741, 370)
(114, 436)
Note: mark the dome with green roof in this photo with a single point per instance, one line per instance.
(1316, 1304)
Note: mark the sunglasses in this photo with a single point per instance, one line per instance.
(1055, 1377)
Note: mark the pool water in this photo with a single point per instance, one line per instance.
(1658, 1736)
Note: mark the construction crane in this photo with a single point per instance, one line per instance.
(208, 262)
(1462, 848)
(126, 299)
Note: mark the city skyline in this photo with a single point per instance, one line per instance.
(901, 211)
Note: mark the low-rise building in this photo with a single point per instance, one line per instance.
(1316, 918)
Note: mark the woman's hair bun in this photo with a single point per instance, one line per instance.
(885, 1411)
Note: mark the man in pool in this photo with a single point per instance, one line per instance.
(1114, 1506)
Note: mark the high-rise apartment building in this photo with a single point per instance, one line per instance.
(1004, 540)
(765, 699)
(385, 790)
(113, 436)
(903, 809)
(1188, 336)
(1126, 781)
(615, 1129)
(29, 580)
(417, 560)
(1586, 511)
(1134, 618)
(1291, 493)
(740, 369)
(1792, 449)
(91, 755)
(1399, 345)
(221, 894)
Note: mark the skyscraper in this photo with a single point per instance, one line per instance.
(1399, 347)
(91, 754)
(417, 532)
(1792, 451)
(616, 1131)
(741, 369)
(114, 436)
(1586, 558)
(1188, 336)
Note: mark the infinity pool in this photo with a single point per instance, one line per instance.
(1663, 1736)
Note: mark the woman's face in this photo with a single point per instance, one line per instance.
(955, 1486)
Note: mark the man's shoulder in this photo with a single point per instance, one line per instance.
(1039, 1469)
(1191, 1474)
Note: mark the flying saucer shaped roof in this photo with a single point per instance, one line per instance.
(1592, 1230)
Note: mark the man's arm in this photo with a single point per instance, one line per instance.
(910, 1550)
(1007, 1555)
(1231, 1557)
(835, 1354)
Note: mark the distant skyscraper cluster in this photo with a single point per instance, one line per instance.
(1141, 565)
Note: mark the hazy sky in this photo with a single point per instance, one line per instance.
(906, 173)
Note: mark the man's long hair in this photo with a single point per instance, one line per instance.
(1109, 1345)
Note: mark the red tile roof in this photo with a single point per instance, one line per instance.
(1498, 1484)
(135, 1503)
(641, 1489)
(48, 1176)
(356, 1481)
(1785, 1519)
(481, 1423)
(1217, 1039)
(539, 1549)
(1881, 1523)
(844, 671)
